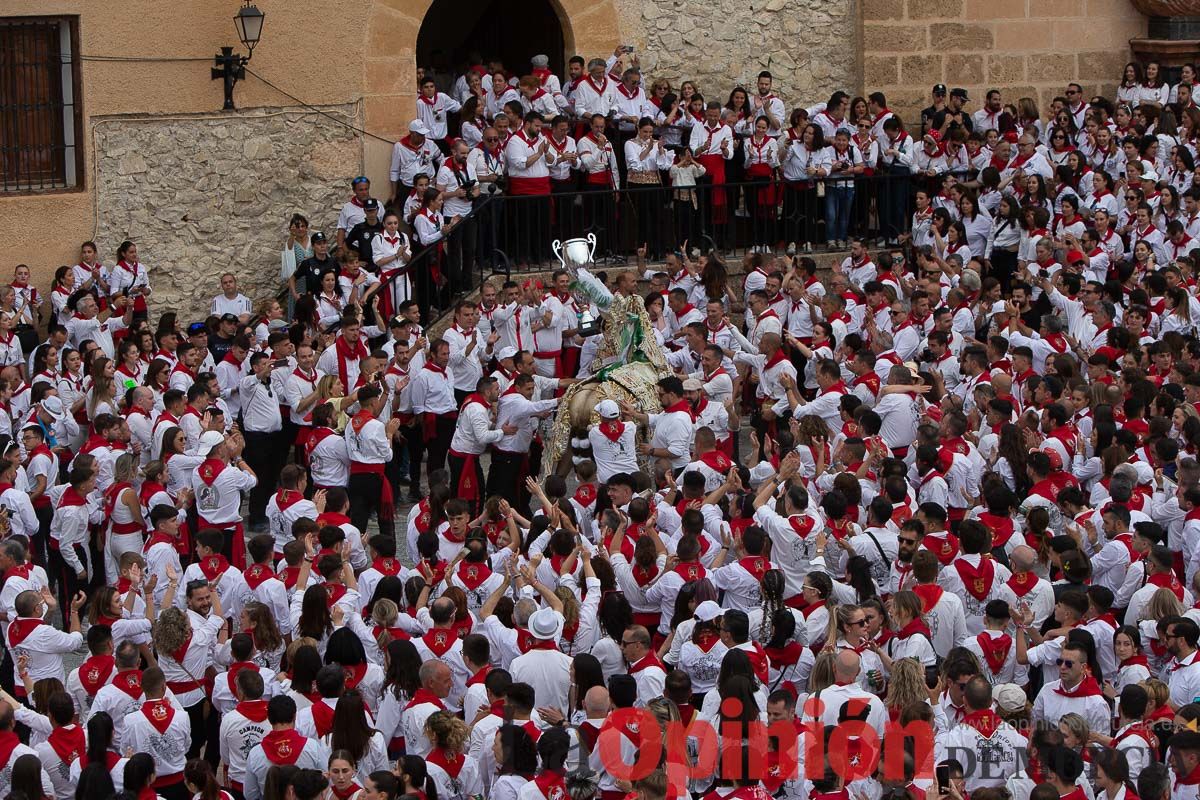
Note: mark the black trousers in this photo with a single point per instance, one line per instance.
(437, 447)
(415, 444)
(894, 202)
(206, 733)
(365, 490)
(459, 265)
(40, 542)
(506, 477)
(265, 453)
(68, 581)
(456, 470)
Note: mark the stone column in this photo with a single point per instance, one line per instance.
(1173, 35)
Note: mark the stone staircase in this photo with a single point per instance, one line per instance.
(824, 260)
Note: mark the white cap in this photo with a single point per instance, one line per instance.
(506, 352)
(1145, 472)
(208, 440)
(998, 307)
(708, 611)
(1009, 697)
(546, 623)
(692, 385)
(53, 406)
(416, 126)
(540, 60)
(608, 409)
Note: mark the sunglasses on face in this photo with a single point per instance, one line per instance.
(858, 623)
(1064, 662)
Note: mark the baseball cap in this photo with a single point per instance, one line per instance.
(692, 385)
(708, 611)
(939, 88)
(998, 307)
(208, 440)
(1076, 257)
(197, 328)
(506, 352)
(1009, 697)
(958, 91)
(416, 126)
(229, 318)
(318, 237)
(370, 204)
(608, 409)
(1149, 175)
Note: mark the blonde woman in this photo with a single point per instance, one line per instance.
(330, 390)
(453, 770)
(1162, 604)
(906, 686)
(848, 629)
(912, 638)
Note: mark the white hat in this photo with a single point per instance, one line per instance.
(546, 623)
(53, 406)
(506, 352)
(209, 440)
(416, 126)
(1148, 174)
(1145, 472)
(708, 611)
(608, 409)
(540, 60)
(1009, 697)
(692, 385)
(999, 307)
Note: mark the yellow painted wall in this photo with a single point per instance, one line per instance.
(321, 52)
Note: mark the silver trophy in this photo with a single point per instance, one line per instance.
(575, 255)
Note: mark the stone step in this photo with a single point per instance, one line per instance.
(824, 260)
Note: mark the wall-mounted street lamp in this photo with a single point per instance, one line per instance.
(230, 66)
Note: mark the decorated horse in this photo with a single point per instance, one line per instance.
(627, 366)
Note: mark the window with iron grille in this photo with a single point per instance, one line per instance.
(41, 126)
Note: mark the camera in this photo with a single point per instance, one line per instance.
(926, 355)
(626, 48)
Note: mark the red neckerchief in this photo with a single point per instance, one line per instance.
(690, 571)
(8, 743)
(68, 743)
(439, 641)
(930, 594)
(129, 682)
(159, 714)
(21, 627)
(473, 575)
(612, 429)
(1022, 583)
(985, 722)
(811, 608)
(283, 747)
(214, 566)
(995, 650)
(345, 794)
(977, 580)
(210, 469)
(94, 673)
(1167, 580)
(423, 695)
(916, 627)
(552, 784)
(1086, 688)
(232, 673)
(645, 662)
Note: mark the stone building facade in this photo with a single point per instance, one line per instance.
(203, 191)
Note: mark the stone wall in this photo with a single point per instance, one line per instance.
(810, 46)
(208, 194)
(1025, 48)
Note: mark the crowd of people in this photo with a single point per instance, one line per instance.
(951, 486)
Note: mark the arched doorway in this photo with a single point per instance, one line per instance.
(452, 30)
